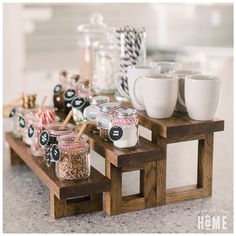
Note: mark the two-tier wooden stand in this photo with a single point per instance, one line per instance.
(149, 157)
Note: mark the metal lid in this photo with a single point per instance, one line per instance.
(91, 112)
(110, 106)
(123, 113)
(97, 100)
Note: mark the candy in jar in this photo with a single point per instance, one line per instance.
(49, 137)
(74, 161)
(91, 111)
(124, 130)
(105, 117)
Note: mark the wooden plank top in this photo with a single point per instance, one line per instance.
(96, 183)
(179, 125)
(144, 151)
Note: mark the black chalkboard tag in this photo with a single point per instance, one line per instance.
(22, 122)
(57, 89)
(115, 133)
(31, 131)
(44, 138)
(12, 112)
(78, 102)
(69, 94)
(55, 153)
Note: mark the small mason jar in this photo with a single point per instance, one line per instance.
(74, 162)
(54, 133)
(90, 112)
(29, 119)
(105, 117)
(17, 130)
(127, 120)
(35, 147)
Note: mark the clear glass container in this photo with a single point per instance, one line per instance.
(29, 119)
(128, 121)
(132, 51)
(90, 112)
(90, 35)
(54, 132)
(105, 117)
(74, 162)
(106, 66)
(17, 130)
(36, 148)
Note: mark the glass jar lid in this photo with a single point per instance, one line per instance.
(122, 113)
(97, 100)
(91, 112)
(110, 106)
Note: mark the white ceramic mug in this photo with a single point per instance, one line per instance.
(181, 75)
(202, 96)
(159, 94)
(167, 66)
(133, 73)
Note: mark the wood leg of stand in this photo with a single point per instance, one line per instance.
(15, 159)
(70, 207)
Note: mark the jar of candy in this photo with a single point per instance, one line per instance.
(58, 92)
(105, 117)
(74, 160)
(34, 131)
(78, 105)
(29, 120)
(15, 114)
(49, 136)
(91, 111)
(124, 130)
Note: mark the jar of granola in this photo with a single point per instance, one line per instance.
(105, 117)
(91, 111)
(74, 161)
(49, 136)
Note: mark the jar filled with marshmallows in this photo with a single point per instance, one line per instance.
(124, 129)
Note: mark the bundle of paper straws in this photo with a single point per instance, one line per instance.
(130, 42)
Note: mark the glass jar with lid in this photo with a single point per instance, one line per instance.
(124, 130)
(105, 117)
(90, 112)
(90, 35)
(74, 161)
(54, 132)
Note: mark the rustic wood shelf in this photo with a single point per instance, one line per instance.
(61, 191)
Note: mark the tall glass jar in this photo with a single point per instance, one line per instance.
(29, 119)
(106, 66)
(90, 35)
(125, 128)
(54, 133)
(36, 128)
(105, 117)
(16, 129)
(74, 162)
(90, 112)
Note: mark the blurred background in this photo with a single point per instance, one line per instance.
(41, 39)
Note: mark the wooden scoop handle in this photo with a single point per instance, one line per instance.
(63, 125)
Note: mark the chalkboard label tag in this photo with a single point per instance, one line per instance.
(78, 103)
(31, 131)
(115, 133)
(69, 94)
(44, 138)
(57, 89)
(12, 112)
(22, 122)
(55, 153)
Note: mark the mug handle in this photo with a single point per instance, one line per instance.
(118, 76)
(135, 95)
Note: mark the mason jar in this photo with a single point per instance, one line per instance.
(29, 120)
(90, 112)
(74, 161)
(124, 130)
(54, 133)
(105, 117)
(16, 129)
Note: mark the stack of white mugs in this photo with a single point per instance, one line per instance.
(161, 88)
